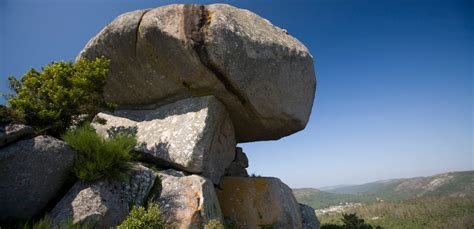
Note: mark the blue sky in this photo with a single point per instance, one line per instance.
(395, 80)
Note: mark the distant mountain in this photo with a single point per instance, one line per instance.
(445, 184)
(334, 187)
(452, 184)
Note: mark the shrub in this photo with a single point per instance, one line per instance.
(99, 158)
(45, 223)
(53, 99)
(214, 224)
(9, 115)
(350, 221)
(144, 218)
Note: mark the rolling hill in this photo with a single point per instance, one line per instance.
(451, 184)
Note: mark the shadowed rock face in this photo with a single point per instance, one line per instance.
(32, 174)
(264, 77)
(238, 167)
(308, 215)
(12, 132)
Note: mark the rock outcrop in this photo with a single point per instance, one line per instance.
(264, 76)
(238, 167)
(187, 201)
(261, 202)
(32, 173)
(104, 203)
(191, 82)
(308, 215)
(193, 135)
(12, 132)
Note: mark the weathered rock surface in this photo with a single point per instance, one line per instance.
(264, 76)
(238, 167)
(310, 221)
(12, 132)
(194, 135)
(32, 173)
(187, 201)
(261, 202)
(105, 203)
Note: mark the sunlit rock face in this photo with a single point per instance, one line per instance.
(263, 76)
(258, 202)
(104, 203)
(187, 201)
(194, 135)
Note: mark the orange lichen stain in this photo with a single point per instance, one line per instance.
(260, 185)
(209, 17)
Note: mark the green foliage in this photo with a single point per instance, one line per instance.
(331, 226)
(424, 212)
(144, 218)
(53, 99)
(97, 157)
(350, 221)
(214, 224)
(45, 223)
(9, 115)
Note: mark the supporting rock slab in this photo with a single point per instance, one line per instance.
(32, 173)
(193, 135)
(261, 202)
(238, 167)
(187, 201)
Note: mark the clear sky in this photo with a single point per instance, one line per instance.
(395, 80)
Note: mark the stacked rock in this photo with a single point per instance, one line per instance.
(33, 171)
(192, 81)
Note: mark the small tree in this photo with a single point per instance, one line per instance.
(352, 221)
(144, 218)
(53, 99)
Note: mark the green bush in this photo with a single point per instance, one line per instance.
(53, 99)
(99, 158)
(45, 223)
(9, 115)
(350, 221)
(144, 218)
(214, 224)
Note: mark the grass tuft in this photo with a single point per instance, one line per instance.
(99, 158)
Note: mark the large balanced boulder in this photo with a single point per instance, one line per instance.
(264, 76)
(33, 172)
(187, 201)
(104, 203)
(193, 135)
(260, 202)
(308, 215)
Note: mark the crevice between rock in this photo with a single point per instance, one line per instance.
(196, 20)
(137, 30)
